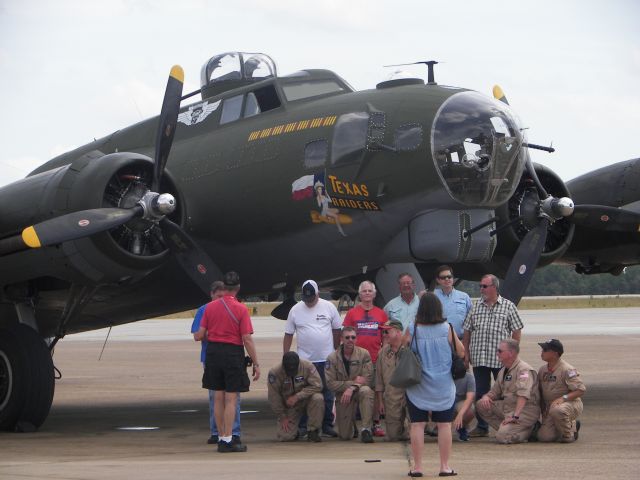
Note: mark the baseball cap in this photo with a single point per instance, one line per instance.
(309, 290)
(554, 345)
(290, 363)
(392, 324)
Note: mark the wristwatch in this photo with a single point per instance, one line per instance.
(517, 417)
(565, 398)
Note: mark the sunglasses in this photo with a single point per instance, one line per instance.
(485, 286)
(350, 337)
(445, 277)
(385, 332)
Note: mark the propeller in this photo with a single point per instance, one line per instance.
(152, 206)
(543, 209)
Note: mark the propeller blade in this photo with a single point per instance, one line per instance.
(77, 225)
(524, 263)
(195, 262)
(498, 94)
(167, 123)
(606, 218)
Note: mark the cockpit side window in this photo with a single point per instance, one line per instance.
(299, 90)
(231, 109)
(251, 107)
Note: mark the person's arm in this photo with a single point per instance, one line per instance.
(466, 340)
(336, 338)
(515, 418)
(516, 335)
(466, 405)
(200, 334)
(247, 339)
(286, 342)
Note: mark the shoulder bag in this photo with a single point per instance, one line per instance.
(408, 370)
(458, 370)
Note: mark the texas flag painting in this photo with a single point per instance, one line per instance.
(303, 187)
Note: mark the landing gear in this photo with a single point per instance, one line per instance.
(26, 379)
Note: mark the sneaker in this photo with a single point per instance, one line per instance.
(478, 432)
(235, 439)
(230, 447)
(213, 440)
(314, 436)
(431, 432)
(365, 436)
(329, 432)
(575, 434)
(302, 432)
(463, 434)
(377, 430)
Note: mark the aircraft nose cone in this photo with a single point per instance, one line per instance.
(565, 206)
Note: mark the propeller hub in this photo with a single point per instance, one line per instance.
(165, 203)
(557, 207)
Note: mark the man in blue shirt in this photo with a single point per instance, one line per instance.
(455, 304)
(404, 307)
(217, 291)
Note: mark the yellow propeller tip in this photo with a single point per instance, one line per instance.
(178, 73)
(497, 92)
(30, 237)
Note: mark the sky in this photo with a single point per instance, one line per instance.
(75, 70)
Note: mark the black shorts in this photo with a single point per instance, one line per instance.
(224, 368)
(416, 415)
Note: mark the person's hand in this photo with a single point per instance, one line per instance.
(486, 401)
(346, 396)
(557, 402)
(381, 408)
(256, 372)
(457, 422)
(291, 401)
(286, 424)
(510, 419)
(360, 380)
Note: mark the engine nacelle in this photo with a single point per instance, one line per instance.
(560, 233)
(91, 181)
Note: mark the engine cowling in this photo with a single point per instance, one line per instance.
(93, 180)
(522, 203)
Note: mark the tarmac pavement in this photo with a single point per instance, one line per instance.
(149, 377)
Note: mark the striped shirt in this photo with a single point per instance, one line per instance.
(488, 326)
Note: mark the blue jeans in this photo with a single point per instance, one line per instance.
(212, 418)
(329, 397)
(483, 385)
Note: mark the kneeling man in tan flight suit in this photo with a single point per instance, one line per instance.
(512, 406)
(295, 388)
(349, 374)
(561, 389)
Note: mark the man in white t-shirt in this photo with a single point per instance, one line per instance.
(317, 323)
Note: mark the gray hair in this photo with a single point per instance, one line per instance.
(494, 280)
(512, 345)
(364, 283)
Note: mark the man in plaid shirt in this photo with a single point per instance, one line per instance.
(492, 319)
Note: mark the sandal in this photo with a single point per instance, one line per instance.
(414, 474)
(452, 473)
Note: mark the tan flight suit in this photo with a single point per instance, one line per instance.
(306, 384)
(559, 422)
(519, 381)
(395, 405)
(338, 381)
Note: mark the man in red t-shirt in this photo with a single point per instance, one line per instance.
(228, 329)
(367, 319)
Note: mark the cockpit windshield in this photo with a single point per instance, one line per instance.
(476, 145)
(242, 66)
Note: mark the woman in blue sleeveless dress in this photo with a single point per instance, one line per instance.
(431, 340)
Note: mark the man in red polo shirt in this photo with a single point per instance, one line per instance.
(228, 329)
(367, 319)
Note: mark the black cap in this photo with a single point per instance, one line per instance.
(309, 290)
(553, 345)
(231, 279)
(290, 363)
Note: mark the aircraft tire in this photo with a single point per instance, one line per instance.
(26, 379)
